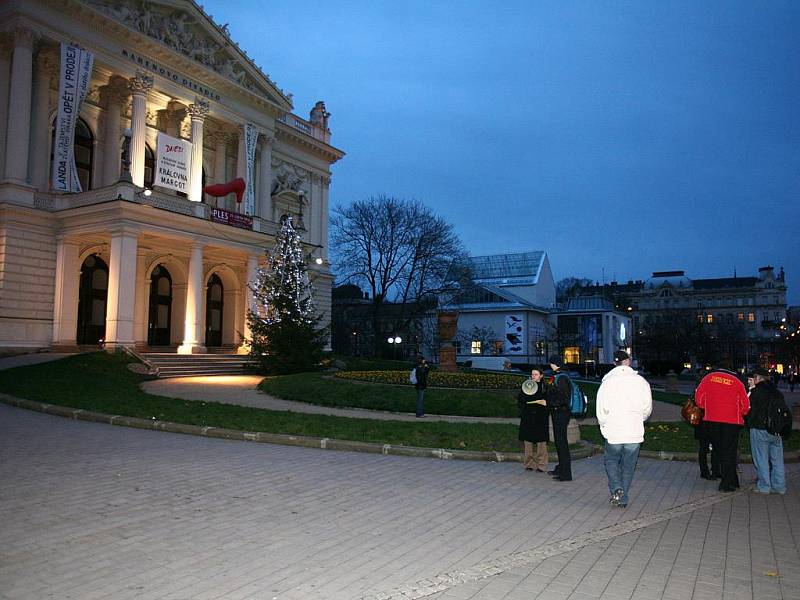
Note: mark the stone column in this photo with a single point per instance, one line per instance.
(315, 210)
(18, 131)
(47, 62)
(265, 178)
(241, 165)
(6, 47)
(323, 239)
(220, 140)
(198, 112)
(112, 97)
(195, 291)
(121, 289)
(139, 86)
(67, 283)
(252, 273)
(141, 313)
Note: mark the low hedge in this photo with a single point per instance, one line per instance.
(484, 381)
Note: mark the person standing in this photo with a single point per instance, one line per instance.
(723, 398)
(533, 423)
(766, 447)
(624, 402)
(421, 370)
(558, 399)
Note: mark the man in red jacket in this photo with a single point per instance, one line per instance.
(724, 399)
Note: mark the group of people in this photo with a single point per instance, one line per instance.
(728, 406)
(624, 402)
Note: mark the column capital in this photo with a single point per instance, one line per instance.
(6, 44)
(47, 61)
(113, 93)
(266, 140)
(23, 36)
(199, 110)
(140, 84)
(218, 136)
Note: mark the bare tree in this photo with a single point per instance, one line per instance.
(567, 287)
(398, 249)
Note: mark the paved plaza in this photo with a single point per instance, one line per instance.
(93, 511)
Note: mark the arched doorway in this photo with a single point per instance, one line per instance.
(92, 299)
(159, 321)
(214, 306)
(83, 150)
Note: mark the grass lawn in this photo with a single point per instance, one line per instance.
(101, 382)
(324, 390)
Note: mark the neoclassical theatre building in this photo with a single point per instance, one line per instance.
(125, 261)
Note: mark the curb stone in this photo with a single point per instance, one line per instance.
(584, 451)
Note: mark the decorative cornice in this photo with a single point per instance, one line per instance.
(288, 134)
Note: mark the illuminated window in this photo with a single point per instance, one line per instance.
(572, 355)
(699, 318)
(476, 347)
(740, 317)
(709, 318)
(751, 317)
(497, 347)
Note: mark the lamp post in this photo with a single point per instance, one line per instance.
(393, 343)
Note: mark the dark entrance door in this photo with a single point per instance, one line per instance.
(214, 312)
(92, 298)
(160, 318)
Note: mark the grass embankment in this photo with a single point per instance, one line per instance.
(101, 382)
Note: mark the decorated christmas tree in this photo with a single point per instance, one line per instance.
(285, 329)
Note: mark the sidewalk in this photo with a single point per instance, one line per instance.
(241, 390)
(100, 512)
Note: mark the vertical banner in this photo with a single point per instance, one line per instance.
(75, 71)
(514, 342)
(250, 139)
(173, 158)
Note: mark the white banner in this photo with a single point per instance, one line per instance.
(173, 159)
(250, 139)
(76, 71)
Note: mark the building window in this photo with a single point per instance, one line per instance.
(572, 355)
(709, 318)
(751, 317)
(476, 347)
(457, 345)
(84, 152)
(699, 318)
(729, 319)
(740, 317)
(149, 166)
(497, 347)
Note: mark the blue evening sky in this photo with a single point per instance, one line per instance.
(620, 137)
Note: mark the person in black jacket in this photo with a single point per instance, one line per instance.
(765, 447)
(422, 370)
(533, 423)
(558, 399)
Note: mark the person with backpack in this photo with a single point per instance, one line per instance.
(769, 420)
(419, 377)
(624, 402)
(724, 399)
(559, 397)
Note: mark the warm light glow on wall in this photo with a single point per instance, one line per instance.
(572, 354)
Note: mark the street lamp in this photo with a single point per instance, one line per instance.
(394, 342)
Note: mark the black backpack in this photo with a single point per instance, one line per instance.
(778, 417)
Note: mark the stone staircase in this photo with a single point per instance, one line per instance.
(170, 364)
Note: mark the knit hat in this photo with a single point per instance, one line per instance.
(621, 355)
(555, 359)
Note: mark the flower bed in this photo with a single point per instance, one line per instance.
(484, 381)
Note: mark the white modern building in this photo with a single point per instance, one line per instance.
(127, 260)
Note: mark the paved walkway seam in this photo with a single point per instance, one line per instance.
(529, 558)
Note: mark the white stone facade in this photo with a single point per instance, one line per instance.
(110, 262)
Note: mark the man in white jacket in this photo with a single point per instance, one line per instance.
(624, 401)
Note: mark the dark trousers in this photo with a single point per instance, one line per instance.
(560, 422)
(725, 437)
(705, 442)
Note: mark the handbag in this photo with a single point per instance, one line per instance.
(692, 413)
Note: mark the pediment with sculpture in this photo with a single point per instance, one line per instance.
(184, 32)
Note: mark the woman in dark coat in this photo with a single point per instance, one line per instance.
(533, 424)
